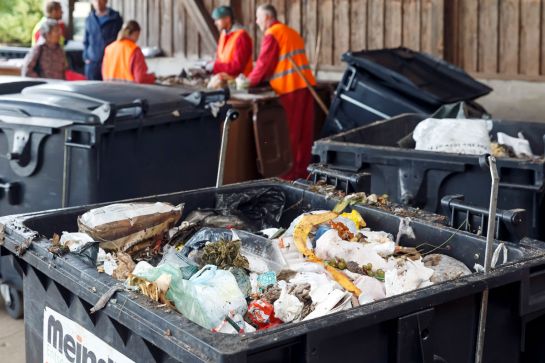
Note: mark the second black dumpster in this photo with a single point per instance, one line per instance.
(422, 178)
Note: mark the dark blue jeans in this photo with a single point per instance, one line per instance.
(93, 71)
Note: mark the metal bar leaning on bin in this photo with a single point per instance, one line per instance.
(491, 161)
(232, 115)
(309, 86)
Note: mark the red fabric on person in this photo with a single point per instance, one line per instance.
(299, 108)
(74, 76)
(241, 56)
(139, 68)
(266, 62)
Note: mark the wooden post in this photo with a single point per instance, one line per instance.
(67, 16)
(451, 31)
(309, 86)
(197, 12)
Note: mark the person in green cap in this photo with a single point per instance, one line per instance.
(234, 52)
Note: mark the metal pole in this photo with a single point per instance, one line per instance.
(65, 171)
(488, 256)
(231, 116)
(309, 86)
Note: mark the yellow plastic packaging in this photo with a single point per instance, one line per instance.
(355, 217)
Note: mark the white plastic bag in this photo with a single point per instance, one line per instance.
(407, 276)
(208, 296)
(459, 136)
(75, 241)
(371, 289)
(330, 246)
(288, 307)
(519, 144)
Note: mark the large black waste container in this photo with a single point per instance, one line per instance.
(75, 143)
(383, 83)
(414, 327)
(423, 178)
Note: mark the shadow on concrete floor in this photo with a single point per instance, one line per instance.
(12, 337)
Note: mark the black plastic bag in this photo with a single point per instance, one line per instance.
(88, 253)
(458, 110)
(262, 207)
(218, 218)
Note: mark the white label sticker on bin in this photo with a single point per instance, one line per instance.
(66, 342)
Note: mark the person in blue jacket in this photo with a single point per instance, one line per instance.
(101, 28)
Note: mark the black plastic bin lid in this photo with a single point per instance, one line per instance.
(418, 75)
(93, 102)
(14, 84)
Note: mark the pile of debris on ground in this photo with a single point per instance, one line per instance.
(230, 269)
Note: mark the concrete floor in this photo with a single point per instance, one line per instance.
(12, 338)
(515, 100)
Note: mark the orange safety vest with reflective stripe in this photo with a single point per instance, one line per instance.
(285, 78)
(116, 64)
(226, 49)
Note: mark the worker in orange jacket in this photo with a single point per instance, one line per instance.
(282, 45)
(124, 60)
(234, 52)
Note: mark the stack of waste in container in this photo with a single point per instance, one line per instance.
(199, 79)
(451, 130)
(468, 136)
(231, 270)
(195, 78)
(379, 201)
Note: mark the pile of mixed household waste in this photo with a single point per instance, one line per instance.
(199, 79)
(193, 78)
(380, 201)
(229, 271)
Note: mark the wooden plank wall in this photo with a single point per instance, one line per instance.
(501, 38)
(341, 25)
(489, 38)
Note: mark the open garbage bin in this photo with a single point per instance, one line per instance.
(383, 83)
(413, 326)
(422, 178)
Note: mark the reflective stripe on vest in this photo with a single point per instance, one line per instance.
(117, 60)
(227, 48)
(289, 71)
(285, 78)
(291, 54)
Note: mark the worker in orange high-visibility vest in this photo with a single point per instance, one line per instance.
(124, 60)
(234, 52)
(280, 48)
